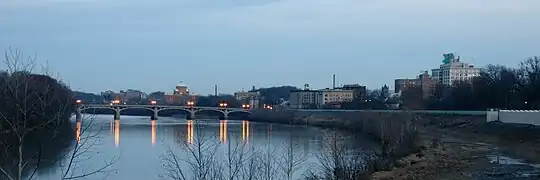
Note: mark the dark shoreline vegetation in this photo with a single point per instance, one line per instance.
(35, 126)
(36, 131)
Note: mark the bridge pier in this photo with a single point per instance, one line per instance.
(78, 115)
(190, 115)
(117, 115)
(225, 116)
(155, 116)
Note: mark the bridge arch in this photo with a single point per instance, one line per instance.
(216, 111)
(108, 109)
(170, 111)
(129, 111)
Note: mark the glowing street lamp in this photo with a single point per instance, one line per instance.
(223, 105)
(153, 102)
(245, 106)
(191, 103)
(78, 101)
(116, 101)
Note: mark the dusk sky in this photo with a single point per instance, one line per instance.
(151, 45)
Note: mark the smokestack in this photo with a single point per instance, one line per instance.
(334, 81)
(215, 90)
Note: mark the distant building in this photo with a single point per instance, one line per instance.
(129, 96)
(330, 96)
(423, 81)
(181, 90)
(240, 96)
(179, 100)
(180, 95)
(359, 91)
(305, 99)
(252, 98)
(453, 70)
(311, 99)
(401, 84)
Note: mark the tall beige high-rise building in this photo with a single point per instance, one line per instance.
(453, 69)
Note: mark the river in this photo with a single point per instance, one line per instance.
(139, 147)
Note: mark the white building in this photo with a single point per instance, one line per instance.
(310, 99)
(336, 96)
(305, 99)
(453, 70)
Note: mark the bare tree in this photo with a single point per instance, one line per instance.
(36, 110)
(267, 163)
(234, 160)
(337, 162)
(87, 136)
(292, 158)
(201, 154)
(207, 160)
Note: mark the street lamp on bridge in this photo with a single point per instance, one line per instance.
(223, 105)
(190, 104)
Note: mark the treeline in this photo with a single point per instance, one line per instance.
(497, 87)
(35, 127)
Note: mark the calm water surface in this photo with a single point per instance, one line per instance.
(139, 144)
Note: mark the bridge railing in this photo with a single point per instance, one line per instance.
(160, 106)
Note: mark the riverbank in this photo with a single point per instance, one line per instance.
(463, 148)
(432, 146)
(394, 133)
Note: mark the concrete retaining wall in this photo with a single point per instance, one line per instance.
(531, 117)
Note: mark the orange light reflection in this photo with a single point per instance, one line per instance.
(223, 131)
(78, 131)
(190, 132)
(153, 122)
(245, 130)
(116, 133)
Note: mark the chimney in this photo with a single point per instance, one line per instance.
(334, 81)
(215, 90)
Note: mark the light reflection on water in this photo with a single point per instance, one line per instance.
(116, 133)
(223, 131)
(153, 132)
(78, 131)
(140, 160)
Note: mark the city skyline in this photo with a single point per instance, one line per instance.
(153, 45)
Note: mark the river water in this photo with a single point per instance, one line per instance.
(139, 147)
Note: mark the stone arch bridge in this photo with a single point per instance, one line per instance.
(191, 110)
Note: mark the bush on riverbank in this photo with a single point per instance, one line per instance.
(394, 132)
